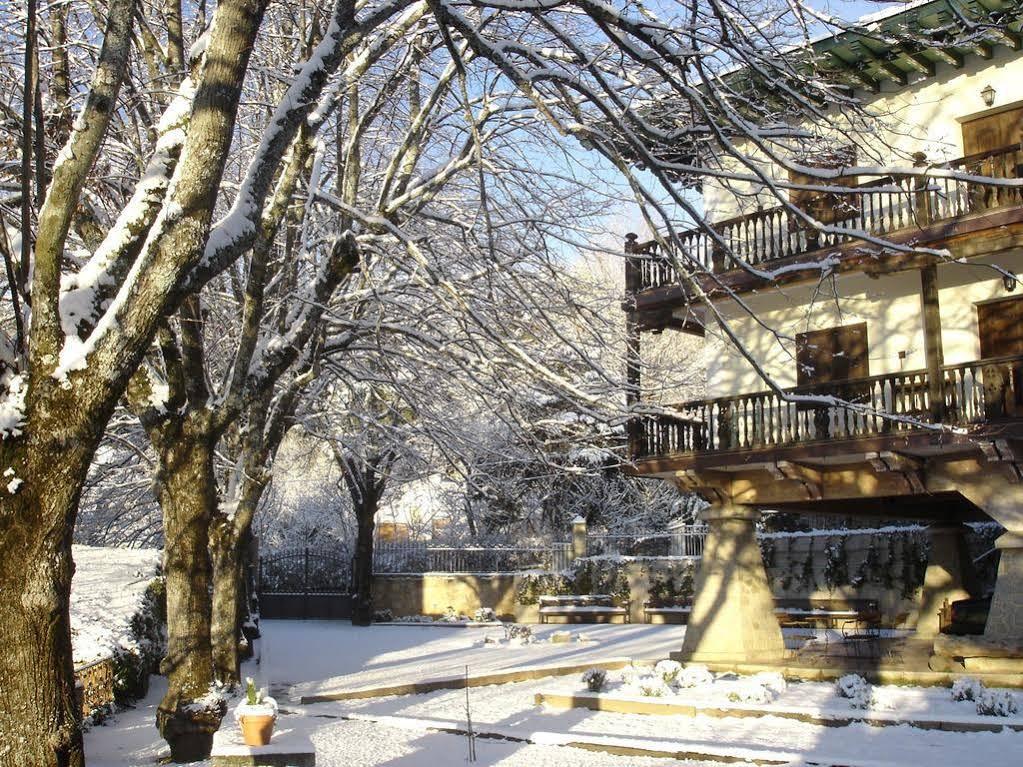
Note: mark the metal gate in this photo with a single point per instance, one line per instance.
(305, 583)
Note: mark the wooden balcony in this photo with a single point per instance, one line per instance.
(824, 420)
(903, 209)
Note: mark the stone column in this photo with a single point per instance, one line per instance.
(1005, 621)
(733, 618)
(578, 538)
(944, 577)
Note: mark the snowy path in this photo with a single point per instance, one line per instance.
(317, 656)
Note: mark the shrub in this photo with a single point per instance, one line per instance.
(771, 680)
(383, 616)
(856, 689)
(653, 687)
(518, 633)
(141, 656)
(533, 585)
(694, 676)
(484, 615)
(595, 679)
(996, 703)
(967, 688)
(668, 670)
(750, 691)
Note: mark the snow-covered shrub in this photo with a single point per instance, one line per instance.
(653, 687)
(631, 675)
(517, 633)
(484, 615)
(856, 689)
(595, 679)
(760, 688)
(694, 676)
(750, 692)
(668, 670)
(413, 619)
(967, 688)
(771, 680)
(383, 616)
(997, 703)
(451, 616)
(140, 656)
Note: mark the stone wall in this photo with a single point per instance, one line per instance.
(433, 593)
(885, 566)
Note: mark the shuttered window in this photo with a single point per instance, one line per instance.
(1001, 328)
(993, 132)
(834, 354)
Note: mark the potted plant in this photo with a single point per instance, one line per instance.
(256, 715)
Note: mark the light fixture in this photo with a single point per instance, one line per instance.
(988, 94)
(1009, 281)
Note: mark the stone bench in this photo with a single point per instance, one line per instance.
(583, 608)
(287, 748)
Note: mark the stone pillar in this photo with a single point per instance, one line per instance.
(1005, 621)
(733, 618)
(578, 538)
(944, 577)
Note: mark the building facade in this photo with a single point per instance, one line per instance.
(870, 327)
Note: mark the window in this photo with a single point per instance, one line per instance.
(826, 207)
(833, 354)
(1000, 324)
(997, 131)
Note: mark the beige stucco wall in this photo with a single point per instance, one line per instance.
(432, 594)
(890, 306)
(924, 117)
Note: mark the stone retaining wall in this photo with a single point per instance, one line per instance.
(884, 566)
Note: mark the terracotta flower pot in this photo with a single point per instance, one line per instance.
(257, 728)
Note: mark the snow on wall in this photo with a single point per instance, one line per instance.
(106, 591)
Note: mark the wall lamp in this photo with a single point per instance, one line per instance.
(988, 94)
(1009, 281)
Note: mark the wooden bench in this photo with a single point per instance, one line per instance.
(676, 611)
(583, 608)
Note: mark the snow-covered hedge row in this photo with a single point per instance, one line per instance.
(118, 611)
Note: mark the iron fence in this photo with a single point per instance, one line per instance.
(397, 557)
(684, 541)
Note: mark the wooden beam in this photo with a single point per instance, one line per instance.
(915, 59)
(1003, 452)
(910, 469)
(1002, 35)
(948, 56)
(983, 49)
(855, 72)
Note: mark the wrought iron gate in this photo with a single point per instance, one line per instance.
(305, 583)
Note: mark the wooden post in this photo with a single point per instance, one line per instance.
(633, 363)
(934, 353)
(921, 195)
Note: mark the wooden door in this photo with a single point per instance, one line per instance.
(1000, 324)
(826, 207)
(833, 354)
(995, 131)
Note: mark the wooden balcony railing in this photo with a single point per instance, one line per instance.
(974, 392)
(879, 207)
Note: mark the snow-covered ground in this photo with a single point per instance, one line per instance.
(399, 730)
(106, 591)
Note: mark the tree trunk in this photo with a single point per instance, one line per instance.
(227, 608)
(39, 719)
(187, 495)
(362, 580)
